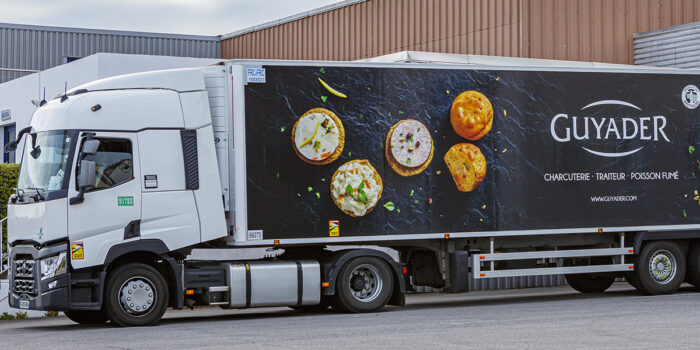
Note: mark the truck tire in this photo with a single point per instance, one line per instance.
(588, 283)
(133, 288)
(694, 266)
(364, 284)
(660, 268)
(86, 316)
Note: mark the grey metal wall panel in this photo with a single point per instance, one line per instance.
(40, 48)
(677, 46)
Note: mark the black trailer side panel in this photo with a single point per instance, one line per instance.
(630, 162)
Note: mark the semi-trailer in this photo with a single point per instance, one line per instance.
(468, 171)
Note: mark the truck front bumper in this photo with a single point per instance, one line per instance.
(27, 290)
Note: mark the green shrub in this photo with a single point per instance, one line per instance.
(5, 316)
(21, 315)
(51, 314)
(8, 181)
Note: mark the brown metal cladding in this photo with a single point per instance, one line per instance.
(585, 30)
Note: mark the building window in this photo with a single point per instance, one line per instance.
(8, 136)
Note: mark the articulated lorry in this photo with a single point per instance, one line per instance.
(469, 172)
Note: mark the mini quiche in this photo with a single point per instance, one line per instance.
(467, 166)
(356, 187)
(471, 115)
(318, 137)
(409, 147)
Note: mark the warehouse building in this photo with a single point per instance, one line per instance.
(25, 49)
(578, 30)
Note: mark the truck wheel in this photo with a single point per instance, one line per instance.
(586, 283)
(364, 284)
(694, 265)
(86, 316)
(660, 268)
(136, 295)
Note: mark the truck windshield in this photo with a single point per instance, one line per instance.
(44, 166)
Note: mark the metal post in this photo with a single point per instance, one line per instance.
(622, 245)
(4, 256)
(493, 264)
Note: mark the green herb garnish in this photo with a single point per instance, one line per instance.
(310, 189)
(389, 206)
(390, 114)
(691, 149)
(361, 116)
(408, 160)
(400, 112)
(685, 215)
(282, 129)
(277, 175)
(324, 98)
(323, 179)
(415, 201)
(362, 196)
(349, 154)
(348, 190)
(398, 210)
(411, 195)
(323, 71)
(318, 195)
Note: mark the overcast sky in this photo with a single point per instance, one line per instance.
(204, 17)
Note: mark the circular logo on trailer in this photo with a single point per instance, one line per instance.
(690, 96)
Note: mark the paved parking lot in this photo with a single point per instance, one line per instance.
(534, 318)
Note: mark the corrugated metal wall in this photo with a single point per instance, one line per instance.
(378, 27)
(677, 47)
(39, 48)
(585, 30)
(597, 30)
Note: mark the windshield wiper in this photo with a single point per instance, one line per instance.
(38, 197)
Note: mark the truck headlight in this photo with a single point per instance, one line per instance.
(53, 266)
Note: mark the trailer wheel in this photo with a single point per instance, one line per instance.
(694, 265)
(364, 284)
(136, 295)
(587, 283)
(660, 268)
(86, 316)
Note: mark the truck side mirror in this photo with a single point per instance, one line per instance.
(90, 147)
(86, 178)
(12, 145)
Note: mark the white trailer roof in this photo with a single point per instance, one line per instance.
(449, 58)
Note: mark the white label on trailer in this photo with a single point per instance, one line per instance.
(256, 75)
(255, 235)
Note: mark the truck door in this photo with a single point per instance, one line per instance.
(111, 211)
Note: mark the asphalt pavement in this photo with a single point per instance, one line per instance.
(555, 317)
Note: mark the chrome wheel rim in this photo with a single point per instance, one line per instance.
(137, 296)
(365, 283)
(662, 266)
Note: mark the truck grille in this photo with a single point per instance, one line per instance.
(24, 269)
(24, 287)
